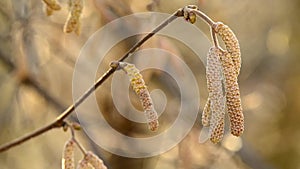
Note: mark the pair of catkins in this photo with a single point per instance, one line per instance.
(90, 160)
(223, 67)
(222, 70)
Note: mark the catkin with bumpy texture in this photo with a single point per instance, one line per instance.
(139, 87)
(73, 21)
(214, 77)
(94, 160)
(231, 44)
(68, 155)
(232, 92)
(52, 4)
(83, 164)
(206, 114)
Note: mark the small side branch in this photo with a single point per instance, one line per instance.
(25, 138)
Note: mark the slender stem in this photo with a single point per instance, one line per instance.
(214, 37)
(178, 13)
(59, 120)
(75, 140)
(79, 146)
(207, 19)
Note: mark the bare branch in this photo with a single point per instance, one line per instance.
(60, 119)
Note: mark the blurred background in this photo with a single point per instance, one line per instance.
(37, 61)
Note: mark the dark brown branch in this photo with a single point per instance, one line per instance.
(60, 119)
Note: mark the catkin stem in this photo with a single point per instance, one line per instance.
(214, 37)
(202, 15)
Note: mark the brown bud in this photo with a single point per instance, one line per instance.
(76, 126)
(188, 14)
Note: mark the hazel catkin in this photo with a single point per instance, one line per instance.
(231, 43)
(206, 114)
(73, 21)
(139, 87)
(83, 164)
(68, 155)
(214, 75)
(50, 6)
(232, 92)
(94, 161)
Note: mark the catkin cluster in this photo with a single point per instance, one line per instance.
(68, 155)
(50, 6)
(73, 22)
(223, 67)
(139, 87)
(89, 161)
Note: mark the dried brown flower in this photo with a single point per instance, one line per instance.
(138, 85)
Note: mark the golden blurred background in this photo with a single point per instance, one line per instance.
(37, 61)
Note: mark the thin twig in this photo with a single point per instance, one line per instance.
(207, 19)
(75, 140)
(214, 37)
(178, 13)
(59, 120)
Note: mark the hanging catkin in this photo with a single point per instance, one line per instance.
(50, 6)
(68, 155)
(231, 43)
(83, 164)
(232, 92)
(206, 114)
(94, 161)
(73, 22)
(53, 4)
(216, 99)
(139, 87)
